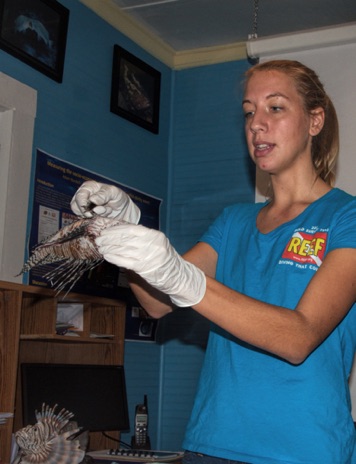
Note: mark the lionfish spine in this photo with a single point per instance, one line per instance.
(74, 248)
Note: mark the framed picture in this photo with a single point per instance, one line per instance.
(36, 33)
(135, 90)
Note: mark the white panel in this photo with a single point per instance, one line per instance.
(18, 106)
(6, 120)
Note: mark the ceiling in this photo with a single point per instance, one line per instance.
(181, 26)
(190, 24)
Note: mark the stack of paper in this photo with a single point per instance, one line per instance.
(69, 318)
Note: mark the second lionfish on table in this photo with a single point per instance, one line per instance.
(53, 439)
(73, 248)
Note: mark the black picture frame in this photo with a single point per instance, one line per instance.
(135, 90)
(35, 32)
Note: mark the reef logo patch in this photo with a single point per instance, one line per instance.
(306, 248)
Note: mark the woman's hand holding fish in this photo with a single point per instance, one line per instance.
(104, 200)
(149, 253)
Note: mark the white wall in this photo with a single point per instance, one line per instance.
(18, 104)
(336, 67)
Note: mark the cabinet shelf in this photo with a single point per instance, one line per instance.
(28, 335)
(68, 339)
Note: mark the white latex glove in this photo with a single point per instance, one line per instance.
(149, 253)
(110, 202)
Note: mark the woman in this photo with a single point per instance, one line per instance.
(278, 282)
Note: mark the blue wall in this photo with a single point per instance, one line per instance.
(197, 164)
(210, 166)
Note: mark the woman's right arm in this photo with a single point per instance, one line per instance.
(156, 303)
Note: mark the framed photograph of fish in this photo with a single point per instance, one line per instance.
(35, 32)
(135, 90)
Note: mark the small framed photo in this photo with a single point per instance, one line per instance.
(35, 32)
(135, 90)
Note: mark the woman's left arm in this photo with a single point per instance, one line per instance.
(290, 334)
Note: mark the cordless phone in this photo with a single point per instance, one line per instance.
(141, 440)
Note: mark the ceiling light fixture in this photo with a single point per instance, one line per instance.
(143, 5)
(299, 41)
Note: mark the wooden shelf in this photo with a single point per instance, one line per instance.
(28, 334)
(68, 339)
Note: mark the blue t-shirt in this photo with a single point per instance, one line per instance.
(253, 406)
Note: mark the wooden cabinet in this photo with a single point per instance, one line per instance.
(28, 334)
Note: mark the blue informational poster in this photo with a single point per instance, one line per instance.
(56, 181)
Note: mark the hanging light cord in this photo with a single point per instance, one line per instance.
(255, 21)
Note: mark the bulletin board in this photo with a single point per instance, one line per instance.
(56, 181)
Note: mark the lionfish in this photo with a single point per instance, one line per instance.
(46, 442)
(74, 248)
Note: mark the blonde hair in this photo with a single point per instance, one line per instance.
(325, 145)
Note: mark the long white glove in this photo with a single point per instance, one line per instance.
(149, 253)
(110, 202)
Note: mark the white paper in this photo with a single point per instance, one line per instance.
(70, 313)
